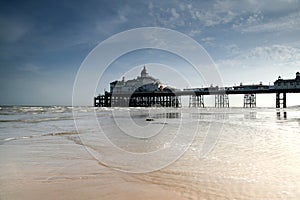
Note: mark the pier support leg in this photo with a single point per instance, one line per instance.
(221, 101)
(250, 100)
(280, 100)
(196, 101)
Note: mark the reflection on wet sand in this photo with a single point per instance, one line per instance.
(167, 115)
(281, 115)
(250, 115)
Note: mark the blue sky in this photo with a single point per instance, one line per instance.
(43, 43)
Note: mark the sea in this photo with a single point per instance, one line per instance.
(65, 152)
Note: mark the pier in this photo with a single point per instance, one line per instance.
(139, 99)
(169, 97)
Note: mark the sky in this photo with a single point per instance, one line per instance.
(44, 43)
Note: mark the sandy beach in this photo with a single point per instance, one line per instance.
(249, 161)
(66, 175)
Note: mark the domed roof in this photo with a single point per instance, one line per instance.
(144, 72)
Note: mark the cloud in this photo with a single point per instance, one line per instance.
(210, 17)
(209, 41)
(190, 17)
(290, 22)
(246, 14)
(194, 32)
(122, 15)
(262, 56)
(272, 5)
(232, 49)
(262, 63)
(276, 53)
(255, 18)
(174, 13)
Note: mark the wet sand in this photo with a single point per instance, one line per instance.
(52, 167)
(67, 171)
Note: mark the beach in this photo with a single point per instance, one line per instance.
(44, 156)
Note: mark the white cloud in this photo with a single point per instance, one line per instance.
(167, 17)
(211, 17)
(272, 5)
(209, 41)
(122, 14)
(243, 13)
(194, 32)
(262, 56)
(188, 16)
(287, 23)
(232, 49)
(255, 18)
(174, 13)
(247, 16)
(263, 63)
(276, 53)
(254, 6)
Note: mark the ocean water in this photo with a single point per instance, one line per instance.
(153, 153)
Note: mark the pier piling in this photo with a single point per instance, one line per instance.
(250, 100)
(196, 101)
(221, 101)
(280, 100)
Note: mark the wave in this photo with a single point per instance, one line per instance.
(38, 119)
(5, 140)
(11, 110)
